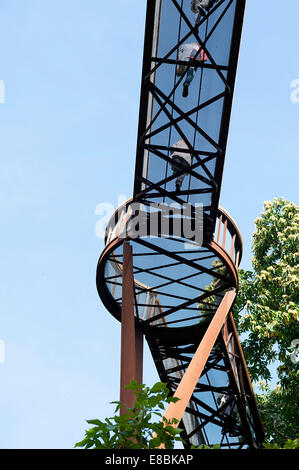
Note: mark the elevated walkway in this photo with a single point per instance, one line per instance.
(182, 287)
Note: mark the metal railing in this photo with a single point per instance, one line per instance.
(226, 235)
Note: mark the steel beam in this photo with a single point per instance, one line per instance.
(131, 338)
(193, 373)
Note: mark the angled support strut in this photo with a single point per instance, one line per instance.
(196, 366)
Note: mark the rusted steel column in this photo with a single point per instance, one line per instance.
(193, 373)
(139, 355)
(128, 340)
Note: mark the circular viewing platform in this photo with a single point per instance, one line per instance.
(179, 282)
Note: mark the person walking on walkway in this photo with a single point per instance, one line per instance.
(189, 52)
(200, 7)
(184, 158)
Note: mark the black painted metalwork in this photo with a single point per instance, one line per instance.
(166, 117)
(177, 290)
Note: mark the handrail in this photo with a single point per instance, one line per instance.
(227, 230)
(227, 234)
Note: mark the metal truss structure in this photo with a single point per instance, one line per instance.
(174, 291)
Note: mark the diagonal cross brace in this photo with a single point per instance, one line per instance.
(189, 381)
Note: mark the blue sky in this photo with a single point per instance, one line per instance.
(67, 139)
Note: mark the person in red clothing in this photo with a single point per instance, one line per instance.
(189, 52)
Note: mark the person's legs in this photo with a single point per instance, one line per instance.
(180, 69)
(197, 17)
(179, 181)
(189, 77)
(201, 6)
(176, 169)
(231, 413)
(200, 12)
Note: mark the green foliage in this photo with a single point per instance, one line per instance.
(204, 446)
(289, 444)
(280, 417)
(267, 312)
(136, 429)
(269, 294)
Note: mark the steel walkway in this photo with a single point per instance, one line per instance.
(182, 289)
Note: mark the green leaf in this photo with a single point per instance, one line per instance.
(154, 443)
(158, 387)
(173, 399)
(96, 422)
(81, 443)
(134, 429)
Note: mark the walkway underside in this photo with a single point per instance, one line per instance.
(177, 294)
(179, 289)
(202, 119)
(205, 421)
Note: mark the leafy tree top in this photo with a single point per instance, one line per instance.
(136, 428)
(267, 313)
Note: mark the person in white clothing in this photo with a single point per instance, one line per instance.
(189, 52)
(228, 406)
(199, 7)
(184, 158)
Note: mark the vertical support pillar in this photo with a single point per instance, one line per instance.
(131, 339)
(139, 355)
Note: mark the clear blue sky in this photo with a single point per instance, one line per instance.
(68, 129)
